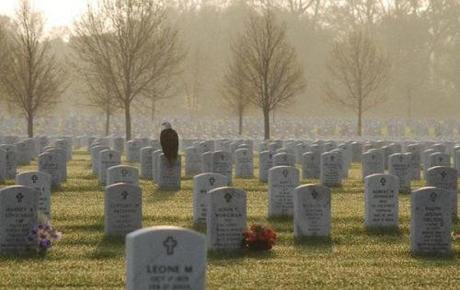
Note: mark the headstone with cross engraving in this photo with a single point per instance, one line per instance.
(107, 158)
(11, 163)
(122, 209)
(226, 218)
(123, 174)
(311, 165)
(18, 215)
(40, 182)
(222, 164)
(431, 221)
(61, 162)
(244, 163)
(192, 161)
(381, 201)
(166, 257)
(202, 184)
(133, 148)
(265, 163)
(331, 169)
(48, 163)
(169, 174)
(284, 159)
(438, 159)
(206, 146)
(147, 163)
(445, 178)
(282, 180)
(398, 165)
(372, 162)
(312, 211)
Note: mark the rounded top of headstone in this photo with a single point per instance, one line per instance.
(165, 229)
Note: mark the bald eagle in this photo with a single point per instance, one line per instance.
(169, 141)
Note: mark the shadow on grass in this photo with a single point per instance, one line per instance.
(314, 243)
(109, 247)
(388, 231)
(162, 195)
(76, 187)
(99, 227)
(237, 256)
(435, 260)
(23, 257)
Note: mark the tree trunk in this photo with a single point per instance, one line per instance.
(30, 125)
(127, 121)
(152, 116)
(360, 121)
(107, 123)
(240, 123)
(266, 124)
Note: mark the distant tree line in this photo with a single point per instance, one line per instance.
(240, 57)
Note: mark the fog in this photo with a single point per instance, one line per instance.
(419, 39)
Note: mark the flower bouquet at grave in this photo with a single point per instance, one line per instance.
(43, 236)
(258, 238)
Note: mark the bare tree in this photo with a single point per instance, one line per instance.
(32, 79)
(236, 90)
(100, 95)
(359, 70)
(270, 66)
(133, 44)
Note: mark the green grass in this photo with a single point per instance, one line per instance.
(352, 258)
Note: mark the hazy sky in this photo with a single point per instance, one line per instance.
(56, 12)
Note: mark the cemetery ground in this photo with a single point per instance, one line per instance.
(352, 258)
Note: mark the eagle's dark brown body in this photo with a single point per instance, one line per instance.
(169, 141)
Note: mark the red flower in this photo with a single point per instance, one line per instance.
(258, 237)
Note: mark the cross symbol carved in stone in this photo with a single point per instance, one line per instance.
(19, 197)
(34, 178)
(124, 195)
(170, 243)
(212, 180)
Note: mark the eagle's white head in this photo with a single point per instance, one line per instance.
(165, 125)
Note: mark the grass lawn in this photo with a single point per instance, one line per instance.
(352, 258)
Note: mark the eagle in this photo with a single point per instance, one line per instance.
(169, 141)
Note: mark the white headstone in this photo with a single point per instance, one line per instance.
(312, 211)
(430, 228)
(381, 201)
(282, 180)
(165, 257)
(244, 164)
(398, 165)
(169, 175)
(123, 174)
(40, 182)
(265, 163)
(18, 216)
(226, 218)
(202, 184)
(122, 209)
(445, 178)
